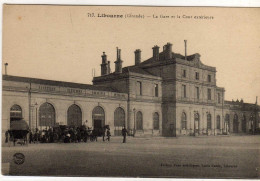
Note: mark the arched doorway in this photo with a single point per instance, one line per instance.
(252, 123)
(47, 115)
(15, 113)
(244, 124)
(196, 123)
(139, 121)
(74, 116)
(98, 117)
(218, 121)
(227, 123)
(119, 121)
(183, 121)
(235, 124)
(156, 121)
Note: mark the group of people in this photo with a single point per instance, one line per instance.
(70, 134)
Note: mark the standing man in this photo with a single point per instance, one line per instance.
(104, 132)
(6, 136)
(108, 134)
(124, 132)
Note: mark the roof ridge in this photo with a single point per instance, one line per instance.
(58, 83)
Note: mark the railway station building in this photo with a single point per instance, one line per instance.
(168, 94)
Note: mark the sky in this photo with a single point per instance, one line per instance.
(63, 43)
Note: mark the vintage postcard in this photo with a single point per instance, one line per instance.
(130, 91)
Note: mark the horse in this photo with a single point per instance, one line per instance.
(21, 135)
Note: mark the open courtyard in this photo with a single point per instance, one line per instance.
(188, 157)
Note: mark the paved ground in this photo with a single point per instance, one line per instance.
(201, 157)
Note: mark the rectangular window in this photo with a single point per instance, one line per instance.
(139, 88)
(197, 92)
(197, 75)
(219, 98)
(183, 73)
(156, 91)
(209, 94)
(209, 78)
(183, 90)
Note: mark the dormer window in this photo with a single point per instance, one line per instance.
(209, 78)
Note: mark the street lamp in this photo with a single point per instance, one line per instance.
(134, 123)
(36, 129)
(36, 106)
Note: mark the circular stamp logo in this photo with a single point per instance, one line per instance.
(18, 158)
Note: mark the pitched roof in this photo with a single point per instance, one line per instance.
(136, 69)
(57, 83)
(174, 55)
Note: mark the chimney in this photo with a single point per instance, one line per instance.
(185, 44)
(168, 51)
(156, 53)
(6, 64)
(104, 65)
(109, 70)
(137, 56)
(118, 62)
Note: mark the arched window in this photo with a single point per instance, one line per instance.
(183, 121)
(156, 121)
(139, 121)
(196, 119)
(209, 121)
(98, 116)
(119, 121)
(235, 124)
(227, 122)
(252, 120)
(74, 115)
(244, 123)
(16, 113)
(218, 122)
(47, 115)
(119, 117)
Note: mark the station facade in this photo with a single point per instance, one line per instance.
(167, 95)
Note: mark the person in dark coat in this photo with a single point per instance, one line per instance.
(124, 132)
(30, 137)
(6, 136)
(104, 132)
(108, 134)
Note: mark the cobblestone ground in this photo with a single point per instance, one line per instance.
(200, 157)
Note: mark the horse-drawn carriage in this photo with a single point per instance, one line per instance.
(18, 132)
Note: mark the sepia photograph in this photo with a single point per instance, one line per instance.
(130, 91)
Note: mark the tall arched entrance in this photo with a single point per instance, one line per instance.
(196, 123)
(47, 115)
(244, 124)
(98, 117)
(119, 121)
(139, 121)
(183, 121)
(209, 126)
(218, 122)
(235, 124)
(15, 113)
(156, 121)
(74, 116)
(227, 123)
